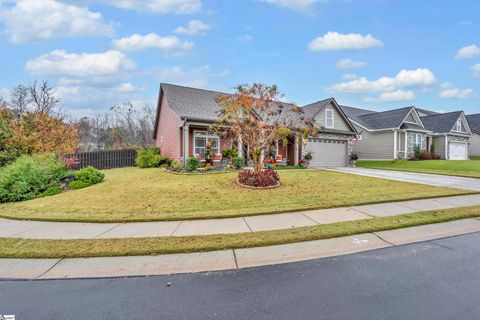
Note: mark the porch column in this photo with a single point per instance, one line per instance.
(186, 146)
(406, 145)
(395, 144)
(295, 150)
(240, 147)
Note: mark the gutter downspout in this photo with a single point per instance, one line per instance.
(185, 137)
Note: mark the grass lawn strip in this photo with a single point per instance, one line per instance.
(459, 168)
(31, 248)
(135, 195)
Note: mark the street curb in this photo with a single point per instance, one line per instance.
(112, 267)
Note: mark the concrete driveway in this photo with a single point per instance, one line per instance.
(423, 178)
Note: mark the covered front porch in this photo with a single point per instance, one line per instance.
(196, 136)
(405, 142)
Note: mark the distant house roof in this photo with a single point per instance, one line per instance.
(474, 122)
(378, 120)
(441, 122)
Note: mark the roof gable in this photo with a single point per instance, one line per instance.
(311, 111)
(444, 122)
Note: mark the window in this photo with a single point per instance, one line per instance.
(202, 139)
(328, 118)
(458, 127)
(416, 139)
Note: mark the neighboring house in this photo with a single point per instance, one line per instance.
(184, 116)
(451, 134)
(474, 123)
(395, 134)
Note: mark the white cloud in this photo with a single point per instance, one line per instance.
(36, 20)
(396, 96)
(126, 87)
(476, 70)
(4, 93)
(449, 91)
(196, 77)
(137, 42)
(350, 64)
(193, 27)
(390, 88)
(72, 65)
(297, 5)
(362, 84)
(412, 78)
(337, 41)
(468, 52)
(157, 6)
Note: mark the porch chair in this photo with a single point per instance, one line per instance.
(217, 159)
(280, 161)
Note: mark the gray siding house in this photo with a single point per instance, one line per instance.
(451, 134)
(474, 122)
(394, 134)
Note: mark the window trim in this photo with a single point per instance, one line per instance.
(327, 118)
(207, 135)
(414, 137)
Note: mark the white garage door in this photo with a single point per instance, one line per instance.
(457, 151)
(328, 153)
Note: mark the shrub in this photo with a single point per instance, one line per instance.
(78, 184)
(308, 156)
(193, 163)
(425, 155)
(230, 153)
(29, 176)
(165, 162)
(51, 191)
(175, 166)
(416, 152)
(148, 157)
(89, 175)
(354, 156)
(71, 163)
(238, 162)
(266, 178)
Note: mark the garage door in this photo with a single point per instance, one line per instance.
(457, 151)
(328, 153)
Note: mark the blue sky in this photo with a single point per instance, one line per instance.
(367, 53)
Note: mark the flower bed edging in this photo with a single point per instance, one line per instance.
(256, 188)
(198, 173)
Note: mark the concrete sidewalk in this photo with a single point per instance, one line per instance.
(227, 259)
(73, 230)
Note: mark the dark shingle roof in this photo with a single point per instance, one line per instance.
(192, 103)
(427, 112)
(377, 120)
(474, 122)
(442, 122)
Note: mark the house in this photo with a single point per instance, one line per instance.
(397, 133)
(184, 116)
(451, 134)
(474, 122)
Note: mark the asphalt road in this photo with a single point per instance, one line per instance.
(432, 280)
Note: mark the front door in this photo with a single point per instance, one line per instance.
(290, 153)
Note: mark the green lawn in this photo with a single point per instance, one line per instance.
(28, 248)
(460, 168)
(133, 194)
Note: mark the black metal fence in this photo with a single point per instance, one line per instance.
(104, 159)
